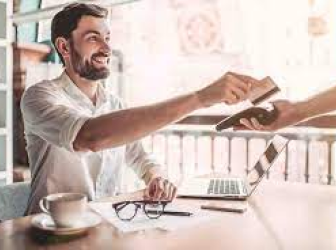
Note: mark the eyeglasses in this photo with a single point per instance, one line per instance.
(127, 210)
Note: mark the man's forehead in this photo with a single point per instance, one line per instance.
(88, 24)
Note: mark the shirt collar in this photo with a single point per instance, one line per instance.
(71, 88)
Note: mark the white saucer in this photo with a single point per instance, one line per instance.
(44, 222)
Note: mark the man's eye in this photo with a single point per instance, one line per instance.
(92, 39)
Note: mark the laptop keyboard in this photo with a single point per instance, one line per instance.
(219, 186)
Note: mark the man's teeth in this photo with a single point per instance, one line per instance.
(101, 60)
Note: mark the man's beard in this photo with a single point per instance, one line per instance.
(85, 68)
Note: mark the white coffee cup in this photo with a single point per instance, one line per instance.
(66, 209)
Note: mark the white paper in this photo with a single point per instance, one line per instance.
(142, 222)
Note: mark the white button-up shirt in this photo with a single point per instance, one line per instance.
(53, 113)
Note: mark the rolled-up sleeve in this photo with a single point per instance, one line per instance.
(140, 161)
(46, 117)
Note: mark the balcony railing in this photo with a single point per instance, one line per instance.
(188, 150)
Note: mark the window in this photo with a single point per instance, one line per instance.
(44, 25)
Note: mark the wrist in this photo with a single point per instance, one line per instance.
(201, 99)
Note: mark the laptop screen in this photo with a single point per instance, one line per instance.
(266, 160)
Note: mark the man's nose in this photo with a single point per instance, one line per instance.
(106, 47)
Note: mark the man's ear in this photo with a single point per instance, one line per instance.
(62, 45)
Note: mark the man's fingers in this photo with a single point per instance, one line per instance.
(174, 192)
(165, 193)
(238, 88)
(231, 98)
(151, 190)
(171, 192)
(159, 189)
(239, 83)
(245, 78)
(240, 94)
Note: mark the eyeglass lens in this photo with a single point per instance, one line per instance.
(153, 211)
(128, 210)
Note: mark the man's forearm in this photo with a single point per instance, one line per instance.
(125, 126)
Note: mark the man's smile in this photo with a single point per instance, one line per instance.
(101, 60)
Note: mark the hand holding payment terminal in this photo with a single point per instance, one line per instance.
(265, 116)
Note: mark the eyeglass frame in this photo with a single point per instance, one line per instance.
(139, 203)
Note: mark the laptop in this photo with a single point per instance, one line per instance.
(233, 187)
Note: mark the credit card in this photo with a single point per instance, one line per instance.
(263, 90)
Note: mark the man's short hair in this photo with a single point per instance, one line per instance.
(66, 21)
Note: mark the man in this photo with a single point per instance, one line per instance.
(78, 136)
(291, 113)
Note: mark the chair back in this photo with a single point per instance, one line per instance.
(13, 200)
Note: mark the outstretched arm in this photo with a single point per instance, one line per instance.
(291, 113)
(125, 126)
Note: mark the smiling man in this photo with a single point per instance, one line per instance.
(79, 136)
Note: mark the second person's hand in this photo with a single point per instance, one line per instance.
(289, 114)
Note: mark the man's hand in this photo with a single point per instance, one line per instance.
(230, 89)
(160, 188)
(289, 114)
